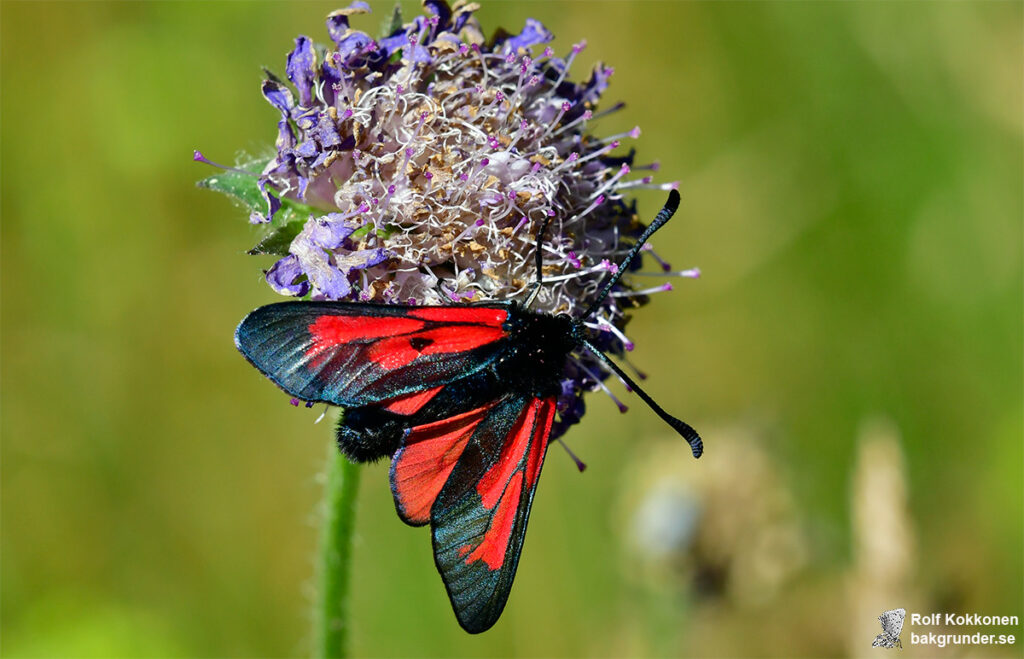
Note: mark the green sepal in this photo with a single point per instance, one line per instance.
(279, 238)
(243, 188)
(395, 24)
(237, 185)
(383, 232)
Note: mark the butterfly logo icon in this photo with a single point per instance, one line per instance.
(892, 625)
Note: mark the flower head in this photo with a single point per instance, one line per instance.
(428, 161)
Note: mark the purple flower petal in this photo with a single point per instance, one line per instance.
(283, 275)
(285, 136)
(533, 33)
(597, 84)
(570, 410)
(327, 281)
(320, 161)
(320, 254)
(440, 9)
(419, 54)
(354, 44)
(330, 76)
(400, 41)
(305, 119)
(307, 149)
(463, 13)
(326, 132)
(301, 70)
(388, 45)
(337, 21)
(279, 96)
(330, 231)
(273, 203)
(329, 284)
(368, 258)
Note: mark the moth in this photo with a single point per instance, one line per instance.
(460, 397)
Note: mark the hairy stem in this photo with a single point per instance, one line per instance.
(335, 569)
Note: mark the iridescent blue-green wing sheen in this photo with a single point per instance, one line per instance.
(353, 354)
(478, 518)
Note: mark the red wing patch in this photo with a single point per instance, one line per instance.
(501, 487)
(410, 404)
(510, 461)
(332, 330)
(456, 338)
(421, 467)
(492, 548)
(392, 353)
(535, 460)
(398, 351)
(397, 341)
(475, 315)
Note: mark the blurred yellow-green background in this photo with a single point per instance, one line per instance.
(852, 190)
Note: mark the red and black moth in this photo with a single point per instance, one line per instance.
(461, 397)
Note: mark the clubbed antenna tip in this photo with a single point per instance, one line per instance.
(689, 434)
(672, 205)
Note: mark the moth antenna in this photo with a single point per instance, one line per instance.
(663, 216)
(681, 427)
(540, 261)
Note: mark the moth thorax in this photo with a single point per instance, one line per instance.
(542, 341)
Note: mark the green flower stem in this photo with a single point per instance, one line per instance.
(332, 621)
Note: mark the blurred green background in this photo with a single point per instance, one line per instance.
(852, 190)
